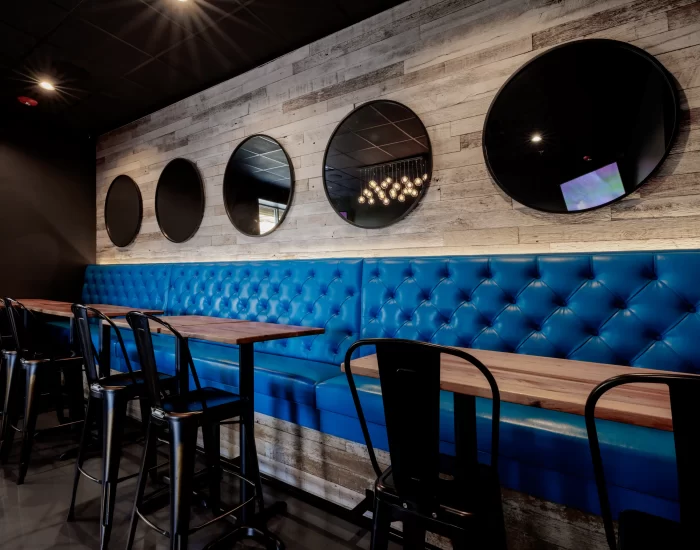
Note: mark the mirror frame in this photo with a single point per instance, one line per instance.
(104, 211)
(204, 201)
(424, 188)
(291, 188)
(665, 74)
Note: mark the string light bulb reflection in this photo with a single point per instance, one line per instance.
(400, 180)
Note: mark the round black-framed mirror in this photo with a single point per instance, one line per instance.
(580, 126)
(378, 164)
(123, 211)
(180, 200)
(258, 186)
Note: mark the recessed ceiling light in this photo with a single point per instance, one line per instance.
(28, 101)
(46, 85)
(536, 138)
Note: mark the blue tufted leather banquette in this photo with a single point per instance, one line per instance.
(127, 285)
(314, 293)
(636, 309)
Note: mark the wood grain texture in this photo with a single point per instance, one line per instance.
(63, 309)
(445, 59)
(228, 331)
(550, 383)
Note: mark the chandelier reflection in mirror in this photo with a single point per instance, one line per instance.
(378, 164)
(396, 181)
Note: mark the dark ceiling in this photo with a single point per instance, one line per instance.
(114, 61)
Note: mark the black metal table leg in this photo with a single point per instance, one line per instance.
(181, 367)
(252, 525)
(465, 435)
(105, 341)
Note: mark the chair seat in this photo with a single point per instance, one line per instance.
(222, 403)
(124, 379)
(639, 530)
(455, 499)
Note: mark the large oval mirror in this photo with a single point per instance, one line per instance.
(258, 186)
(179, 200)
(123, 211)
(377, 165)
(580, 126)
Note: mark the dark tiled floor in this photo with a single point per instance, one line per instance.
(32, 516)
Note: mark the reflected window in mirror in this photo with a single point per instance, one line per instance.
(258, 186)
(378, 164)
(580, 126)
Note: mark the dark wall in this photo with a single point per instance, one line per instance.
(47, 210)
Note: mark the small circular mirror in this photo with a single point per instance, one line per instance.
(179, 200)
(258, 186)
(377, 165)
(580, 126)
(123, 211)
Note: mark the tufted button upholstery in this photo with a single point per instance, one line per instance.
(628, 308)
(127, 285)
(317, 293)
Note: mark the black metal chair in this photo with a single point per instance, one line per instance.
(43, 369)
(639, 529)
(181, 414)
(452, 496)
(115, 392)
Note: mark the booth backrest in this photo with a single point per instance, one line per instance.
(636, 309)
(314, 293)
(141, 285)
(317, 293)
(633, 308)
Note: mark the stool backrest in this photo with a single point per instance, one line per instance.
(140, 324)
(23, 326)
(6, 340)
(684, 391)
(409, 374)
(82, 315)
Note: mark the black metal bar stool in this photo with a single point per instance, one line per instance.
(181, 415)
(46, 374)
(640, 530)
(115, 392)
(454, 497)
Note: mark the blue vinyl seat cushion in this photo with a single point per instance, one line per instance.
(537, 437)
(192, 401)
(281, 377)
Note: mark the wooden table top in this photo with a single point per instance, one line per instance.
(227, 331)
(63, 309)
(550, 383)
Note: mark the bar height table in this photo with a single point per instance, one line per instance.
(244, 334)
(63, 309)
(550, 383)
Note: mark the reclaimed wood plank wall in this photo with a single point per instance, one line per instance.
(445, 59)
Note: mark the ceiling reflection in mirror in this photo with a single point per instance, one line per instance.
(580, 126)
(258, 186)
(378, 164)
